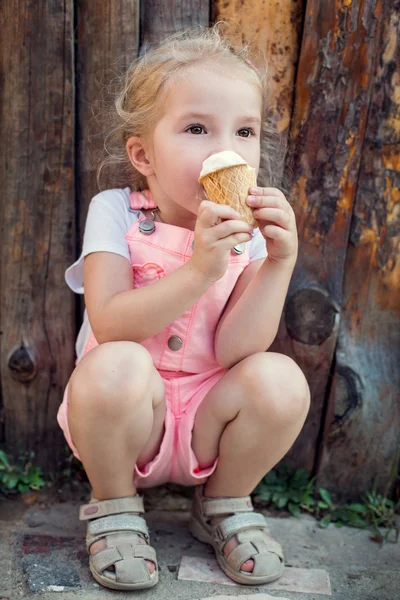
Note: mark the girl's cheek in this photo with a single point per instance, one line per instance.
(193, 166)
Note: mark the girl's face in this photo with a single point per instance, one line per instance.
(207, 110)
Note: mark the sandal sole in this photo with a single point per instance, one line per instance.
(108, 583)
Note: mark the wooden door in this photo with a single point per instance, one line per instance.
(335, 68)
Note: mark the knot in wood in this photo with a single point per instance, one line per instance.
(22, 365)
(310, 316)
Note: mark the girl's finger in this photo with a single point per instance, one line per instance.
(274, 232)
(265, 191)
(275, 215)
(203, 206)
(210, 213)
(229, 227)
(233, 240)
(277, 201)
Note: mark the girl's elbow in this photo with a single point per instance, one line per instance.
(224, 359)
(101, 335)
(224, 364)
(102, 331)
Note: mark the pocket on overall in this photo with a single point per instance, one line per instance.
(146, 274)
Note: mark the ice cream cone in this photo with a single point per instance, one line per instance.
(226, 178)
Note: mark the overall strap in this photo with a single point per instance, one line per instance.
(141, 200)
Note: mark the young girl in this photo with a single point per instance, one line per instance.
(173, 381)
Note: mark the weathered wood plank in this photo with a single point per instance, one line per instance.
(107, 42)
(363, 429)
(37, 204)
(333, 87)
(160, 19)
(275, 29)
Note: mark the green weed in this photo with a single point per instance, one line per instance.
(20, 477)
(294, 490)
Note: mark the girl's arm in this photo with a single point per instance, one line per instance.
(118, 312)
(251, 318)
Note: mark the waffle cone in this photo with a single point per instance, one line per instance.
(231, 186)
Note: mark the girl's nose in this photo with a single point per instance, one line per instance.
(220, 148)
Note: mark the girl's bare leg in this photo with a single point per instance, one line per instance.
(116, 417)
(250, 419)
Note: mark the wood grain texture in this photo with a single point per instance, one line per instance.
(275, 28)
(333, 88)
(160, 18)
(363, 428)
(340, 321)
(37, 216)
(107, 42)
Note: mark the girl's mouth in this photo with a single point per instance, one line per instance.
(201, 195)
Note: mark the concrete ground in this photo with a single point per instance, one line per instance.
(42, 554)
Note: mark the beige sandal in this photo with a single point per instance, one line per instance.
(113, 521)
(250, 529)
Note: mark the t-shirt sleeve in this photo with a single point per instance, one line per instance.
(107, 222)
(258, 246)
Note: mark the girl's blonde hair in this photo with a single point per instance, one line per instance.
(138, 102)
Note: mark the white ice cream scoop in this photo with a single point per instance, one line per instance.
(221, 160)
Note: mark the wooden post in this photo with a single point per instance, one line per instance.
(277, 34)
(107, 42)
(340, 321)
(37, 205)
(333, 89)
(362, 435)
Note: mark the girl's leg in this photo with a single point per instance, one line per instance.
(250, 419)
(116, 417)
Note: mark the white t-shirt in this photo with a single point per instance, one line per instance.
(108, 221)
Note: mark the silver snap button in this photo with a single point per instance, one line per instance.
(147, 227)
(192, 244)
(175, 343)
(238, 249)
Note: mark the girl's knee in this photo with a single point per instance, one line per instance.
(113, 372)
(276, 387)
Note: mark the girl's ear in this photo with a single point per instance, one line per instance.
(138, 155)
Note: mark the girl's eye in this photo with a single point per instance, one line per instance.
(195, 129)
(249, 130)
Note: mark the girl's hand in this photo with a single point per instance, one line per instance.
(218, 229)
(277, 222)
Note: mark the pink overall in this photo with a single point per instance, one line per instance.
(183, 353)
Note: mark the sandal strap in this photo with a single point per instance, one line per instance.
(212, 507)
(261, 540)
(127, 568)
(116, 523)
(256, 552)
(240, 554)
(113, 506)
(109, 556)
(132, 569)
(232, 525)
(253, 543)
(115, 538)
